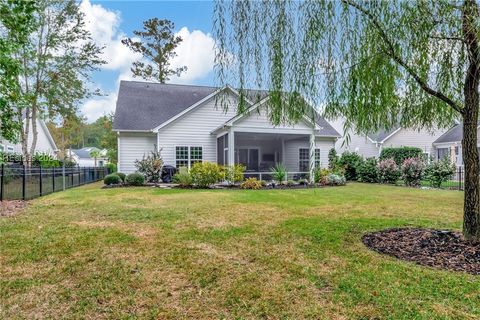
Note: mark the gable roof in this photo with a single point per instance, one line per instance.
(84, 153)
(455, 134)
(382, 135)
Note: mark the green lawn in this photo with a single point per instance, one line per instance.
(235, 254)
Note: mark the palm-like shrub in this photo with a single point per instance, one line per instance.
(151, 166)
(388, 171)
(279, 173)
(412, 171)
(205, 174)
(439, 172)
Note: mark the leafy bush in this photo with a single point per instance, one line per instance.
(332, 159)
(251, 183)
(412, 171)
(290, 183)
(204, 174)
(350, 162)
(368, 171)
(121, 175)
(335, 180)
(151, 166)
(399, 154)
(279, 173)
(45, 160)
(111, 167)
(388, 171)
(320, 175)
(439, 172)
(135, 179)
(234, 173)
(111, 179)
(183, 178)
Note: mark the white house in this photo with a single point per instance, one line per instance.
(189, 124)
(83, 157)
(45, 142)
(370, 145)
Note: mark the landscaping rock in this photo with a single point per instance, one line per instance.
(11, 208)
(442, 249)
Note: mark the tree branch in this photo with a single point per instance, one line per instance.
(393, 54)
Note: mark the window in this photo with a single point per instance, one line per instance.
(442, 153)
(304, 159)
(10, 149)
(186, 156)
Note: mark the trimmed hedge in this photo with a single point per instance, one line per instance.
(112, 179)
(135, 179)
(400, 154)
(121, 175)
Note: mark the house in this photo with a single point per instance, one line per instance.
(450, 145)
(45, 143)
(370, 145)
(189, 124)
(83, 157)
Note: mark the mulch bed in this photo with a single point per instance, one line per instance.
(442, 249)
(11, 208)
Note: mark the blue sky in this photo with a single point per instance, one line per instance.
(111, 21)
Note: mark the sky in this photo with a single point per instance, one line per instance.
(111, 21)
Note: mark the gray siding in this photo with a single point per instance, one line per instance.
(422, 139)
(131, 147)
(292, 151)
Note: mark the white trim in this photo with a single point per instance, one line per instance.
(119, 164)
(192, 107)
(259, 150)
(390, 135)
(308, 148)
(118, 130)
(49, 136)
(276, 130)
(10, 149)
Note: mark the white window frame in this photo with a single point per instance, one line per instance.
(317, 161)
(189, 159)
(10, 149)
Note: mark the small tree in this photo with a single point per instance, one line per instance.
(95, 154)
(332, 159)
(151, 166)
(368, 171)
(158, 46)
(350, 162)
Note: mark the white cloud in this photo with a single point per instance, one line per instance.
(197, 52)
(99, 106)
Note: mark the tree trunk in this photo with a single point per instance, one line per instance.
(471, 219)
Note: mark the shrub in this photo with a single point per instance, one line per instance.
(290, 183)
(204, 174)
(399, 154)
(183, 178)
(335, 180)
(45, 160)
(234, 173)
(439, 172)
(251, 183)
(320, 175)
(112, 179)
(135, 179)
(388, 171)
(151, 166)
(350, 162)
(368, 171)
(279, 173)
(111, 167)
(122, 176)
(332, 159)
(412, 171)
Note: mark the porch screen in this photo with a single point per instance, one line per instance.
(442, 153)
(304, 159)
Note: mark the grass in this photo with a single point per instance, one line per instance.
(234, 254)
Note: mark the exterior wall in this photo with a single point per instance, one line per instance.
(259, 119)
(422, 139)
(44, 144)
(131, 147)
(357, 143)
(292, 153)
(194, 129)
(91, 162)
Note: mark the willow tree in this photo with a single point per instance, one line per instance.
(377, 64)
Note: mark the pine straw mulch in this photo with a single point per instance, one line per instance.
(442, 249)
(11, 208)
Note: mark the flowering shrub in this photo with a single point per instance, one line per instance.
(412, 171)
(204, 174)
(388, 171)
(439, 172)
(335, 180)
(151, 166)
(320, 175)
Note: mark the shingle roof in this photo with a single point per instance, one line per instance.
(84, 153)
(380, 135)
(142, 106)
(455, 134)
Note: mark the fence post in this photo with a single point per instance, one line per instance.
(459, 178)
(1, 182)
(73, 174)
(40, 181)
(24, 189)
(63, 176)
(53, 179)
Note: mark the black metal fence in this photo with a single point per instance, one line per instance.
(19, 182)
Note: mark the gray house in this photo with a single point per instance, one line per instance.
(450, 145)
(188, 125)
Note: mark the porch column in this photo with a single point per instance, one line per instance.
(231, 147)
(312, 158)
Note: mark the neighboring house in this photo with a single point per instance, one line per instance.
(83, 157)
(450, 145)
(45, 142)
(188, 125)
(371, 145)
